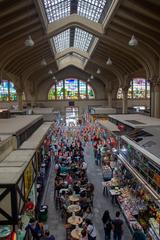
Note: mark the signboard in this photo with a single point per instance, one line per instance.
(28, 179)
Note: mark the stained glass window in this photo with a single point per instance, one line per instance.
(130, 91)
(71, 89)
(119, 94)
(148, 90)
(60, 90)
(4, 96)
(82, 90)
(91, 94)
(13, 95)
(7, 91)
(52, 93)
(139, 88)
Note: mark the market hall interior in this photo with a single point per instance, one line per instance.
(79, 63)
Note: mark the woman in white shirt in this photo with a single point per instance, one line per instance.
(91, 230)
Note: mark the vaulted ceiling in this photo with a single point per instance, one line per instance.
(79, 33)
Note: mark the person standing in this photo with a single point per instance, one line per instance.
(106, 219)
(117, 225)
(91, 230)
(138, 233)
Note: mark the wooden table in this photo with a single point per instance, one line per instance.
(76, 220)
(74, 208)
(74, 198)
(76, 233)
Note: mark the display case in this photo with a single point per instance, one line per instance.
(145, 163)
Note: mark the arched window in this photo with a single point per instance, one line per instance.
(71, 89)
(139, 89)
(7, 91)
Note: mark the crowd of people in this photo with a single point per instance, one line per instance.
(74, 193)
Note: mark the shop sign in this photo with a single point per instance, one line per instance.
(28, 179)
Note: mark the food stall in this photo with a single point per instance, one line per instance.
(17, 176)
(40, 142)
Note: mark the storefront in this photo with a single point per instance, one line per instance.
(145, 192)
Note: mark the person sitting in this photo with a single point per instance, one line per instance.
(76, 188)
(47, 236)
(84, 235)
(87, 213)
(69, 179)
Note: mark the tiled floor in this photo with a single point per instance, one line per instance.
(101, 203)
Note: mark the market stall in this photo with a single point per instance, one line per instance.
(143, 194)
(17, 176)
(40, 141)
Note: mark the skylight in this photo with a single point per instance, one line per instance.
(62, 40)
(91, 9)
(78, 39)
(57, 9)
(94, 10)
(82, 39)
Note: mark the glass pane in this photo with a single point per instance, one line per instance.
(91, 94)
(71, 89)
(60, 90)
(119, 94)
(13, 95)
(52, 93)
(130, 92)
(4, 90)
(91, 9)
(139, 86)
(148, 89)
(82, 90)
(62, 40)
(56, 9)
(82, 39)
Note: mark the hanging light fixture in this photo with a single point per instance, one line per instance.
(29, 42)
(88, 80)
(133, 42)
(109, 61)
(50, 72)
(98, 71)
(43, 62)
(92, 77)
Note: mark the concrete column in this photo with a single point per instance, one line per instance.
(20, 101)
(109, 99)
(152, 100)
(157, 100)
(125, 101)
